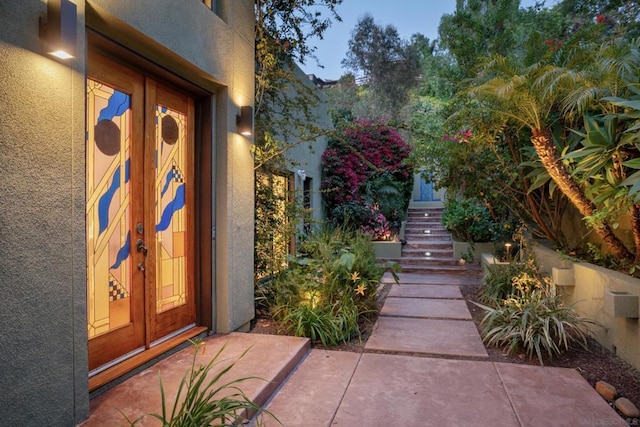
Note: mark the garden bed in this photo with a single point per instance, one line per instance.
(594, 364)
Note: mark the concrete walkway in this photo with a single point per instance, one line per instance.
(425, 365)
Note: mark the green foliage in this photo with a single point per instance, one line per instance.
(478, 28)
(470, 221)
(285, 116)
(389, 64)
(204, 398)
(498, 284)
(533, 320)
(328, 287)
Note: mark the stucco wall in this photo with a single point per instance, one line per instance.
(42, 255)
(308, 155)
(621, 335)
(42, 149)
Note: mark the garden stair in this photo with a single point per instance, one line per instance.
(429, 247)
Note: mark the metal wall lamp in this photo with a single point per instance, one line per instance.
(59, 28)
(244, 120)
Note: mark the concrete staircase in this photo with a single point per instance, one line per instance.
(429, 248)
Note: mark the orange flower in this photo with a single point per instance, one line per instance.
(361, 288)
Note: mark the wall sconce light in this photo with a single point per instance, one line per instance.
(59, 28)
(244, 120)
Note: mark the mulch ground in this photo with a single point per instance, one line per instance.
(595, 363)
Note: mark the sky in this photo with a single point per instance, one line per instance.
(408, 16)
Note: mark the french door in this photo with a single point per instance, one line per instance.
(139, 212)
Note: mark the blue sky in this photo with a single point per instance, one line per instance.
(408, 16)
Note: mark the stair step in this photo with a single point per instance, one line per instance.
(432, 269)
(427, 260)
(429, 245)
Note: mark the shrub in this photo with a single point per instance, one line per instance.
(329, 285)
(362, 217)
(366, 173)
(498, 284)
(470, 221)
(534, 320)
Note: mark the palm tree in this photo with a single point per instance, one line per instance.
(517, 93)
(605, 91)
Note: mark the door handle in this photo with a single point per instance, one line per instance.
(140, 247)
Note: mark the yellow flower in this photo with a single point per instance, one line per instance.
(361, 288)
(355, 276)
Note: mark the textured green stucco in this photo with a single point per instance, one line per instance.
(43, 339)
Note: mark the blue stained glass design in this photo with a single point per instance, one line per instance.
(123, 253)
(174, 206)
(167, 181)
(107, 197)
(105, 202)
(118, 104)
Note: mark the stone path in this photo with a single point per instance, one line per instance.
(424, 366)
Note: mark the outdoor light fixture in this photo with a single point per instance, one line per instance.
(59, 28)
(244, 120)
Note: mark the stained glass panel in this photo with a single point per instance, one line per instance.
(108, 208)
(171, 212)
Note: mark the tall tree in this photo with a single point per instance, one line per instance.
(390, 65)
(478, 28)
(523, 97)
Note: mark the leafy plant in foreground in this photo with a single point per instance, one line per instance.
(204, 398)
(534, 320)
(499, 282)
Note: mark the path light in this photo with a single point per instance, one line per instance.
(507, 248)
(427, 231)
(426, 214)
(427, 254)
(59, 28)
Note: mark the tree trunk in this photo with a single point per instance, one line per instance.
(635, 228)
(553, 164)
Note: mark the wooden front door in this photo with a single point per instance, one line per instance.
(140, 216)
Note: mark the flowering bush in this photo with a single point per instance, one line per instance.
(329, 288)
(353, 168)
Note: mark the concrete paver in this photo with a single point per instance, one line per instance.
(425, 291)
(268, 358)
(456, 338)
(544, 396)
(426, 308)
(394, 390)
(312, 395)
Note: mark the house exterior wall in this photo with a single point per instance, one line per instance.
(42, 214)
(309, 160)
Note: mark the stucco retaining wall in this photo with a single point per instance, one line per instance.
(620, 335)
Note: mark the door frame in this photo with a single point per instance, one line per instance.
(203, 203)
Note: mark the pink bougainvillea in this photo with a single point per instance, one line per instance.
(365, 151)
